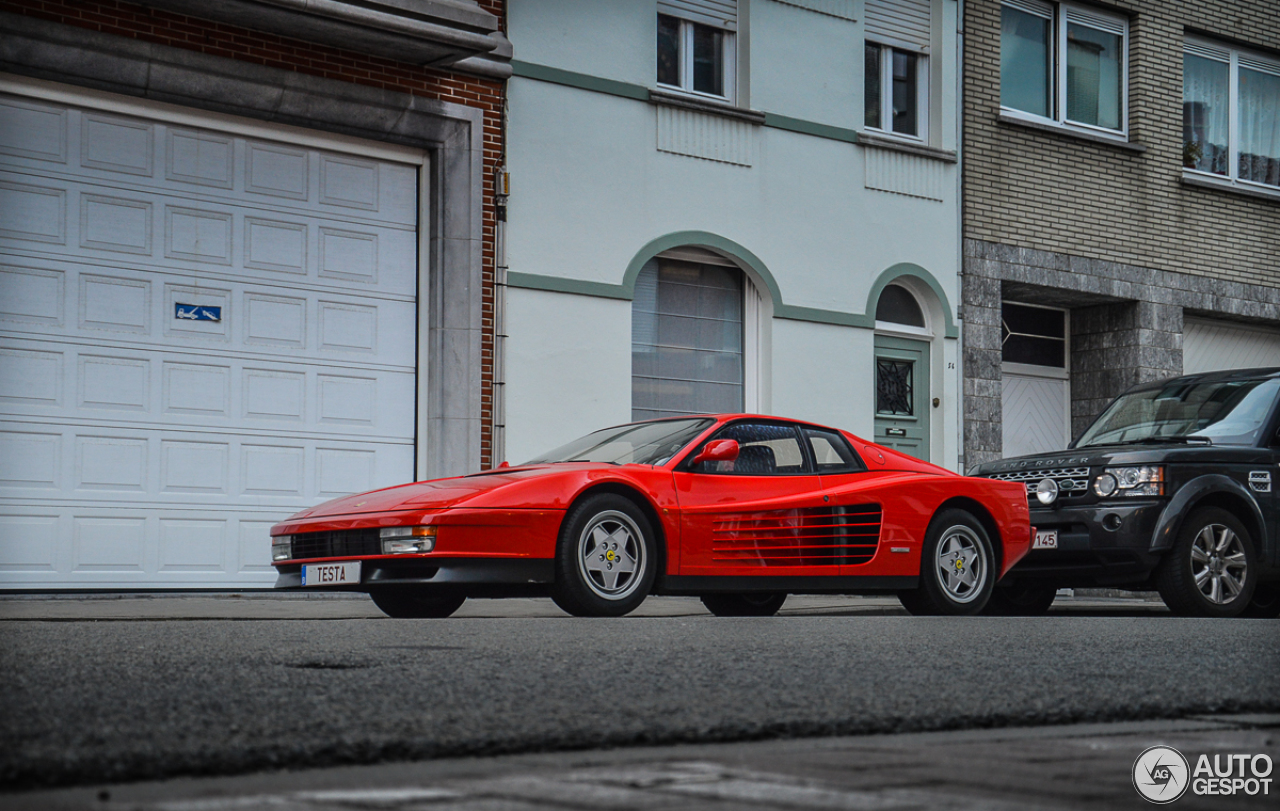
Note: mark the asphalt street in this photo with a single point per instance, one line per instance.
(92, 698)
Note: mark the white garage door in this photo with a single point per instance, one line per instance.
(204, 327)
(1209, 345)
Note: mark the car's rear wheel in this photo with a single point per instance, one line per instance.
(606, 558)
(957, 567)
(1265, 604)
(744, 605)
(1211, 569)
(1022, 598)
(414, 603)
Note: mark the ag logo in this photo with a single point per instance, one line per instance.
(1161, 774)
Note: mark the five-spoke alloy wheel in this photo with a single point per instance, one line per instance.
(605, 559)
(1210, 571)
(957, 569)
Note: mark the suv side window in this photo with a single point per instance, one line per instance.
(831, 453)
(764, 449)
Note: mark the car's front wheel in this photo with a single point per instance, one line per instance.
(413, 603)
(957, 567)
(744, 605)
(1210, 571)
(1022, 598)
(606, 558)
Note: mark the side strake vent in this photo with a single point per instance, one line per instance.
(818, 536)
(338, 543)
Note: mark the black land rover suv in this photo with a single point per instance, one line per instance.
(1175, 487)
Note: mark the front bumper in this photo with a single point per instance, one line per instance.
(1102, 544)
(477, 576)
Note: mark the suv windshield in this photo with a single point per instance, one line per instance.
(1226, 412)
(642, 443)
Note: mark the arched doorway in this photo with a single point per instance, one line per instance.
(902, 372)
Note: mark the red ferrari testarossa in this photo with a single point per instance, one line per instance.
(740, 510)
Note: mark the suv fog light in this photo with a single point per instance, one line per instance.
(281, 547)
(1047, 491)
(1105, 485)
(1111, 522)
(407, 540)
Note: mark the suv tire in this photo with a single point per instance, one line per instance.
(1212, 570)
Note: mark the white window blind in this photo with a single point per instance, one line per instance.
(902, 23)
(720, 13)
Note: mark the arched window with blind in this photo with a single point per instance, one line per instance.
(692, 331)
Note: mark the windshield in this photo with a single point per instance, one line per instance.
(1226, 412)
(641, 443)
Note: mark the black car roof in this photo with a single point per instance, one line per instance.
(1210, 377)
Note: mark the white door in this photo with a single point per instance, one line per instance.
(1036, 416)
(1035, 368)
(1212, 345)
(203, 329)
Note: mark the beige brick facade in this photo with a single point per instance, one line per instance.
(1057, 192)
(1110, 231)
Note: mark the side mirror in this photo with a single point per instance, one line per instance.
(719, 450)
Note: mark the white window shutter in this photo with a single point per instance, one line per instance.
(719, 13)
(903, 23)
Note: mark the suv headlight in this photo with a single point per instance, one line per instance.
(281, 547)
(1147, 480)
(407, 540)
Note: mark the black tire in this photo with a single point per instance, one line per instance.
(958, 539)
(415, 603)
(1265, 604)
(1022, 598)
(1229, 561)
(600, 533)
(765, 604)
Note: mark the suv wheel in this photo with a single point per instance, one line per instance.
(1211, 569)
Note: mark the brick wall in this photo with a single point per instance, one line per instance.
(1053, 192)
(165, 28)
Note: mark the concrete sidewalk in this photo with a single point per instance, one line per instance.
(1053, 767)
(267, 605)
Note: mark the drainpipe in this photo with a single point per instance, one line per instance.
(961, 456)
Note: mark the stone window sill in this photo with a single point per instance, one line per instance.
(708, 106)
(1068, 132)
(1215, 184)
(920, 150)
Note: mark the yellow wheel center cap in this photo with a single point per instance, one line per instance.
(610, 555)
(959, 565)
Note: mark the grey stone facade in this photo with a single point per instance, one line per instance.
(1126, 326)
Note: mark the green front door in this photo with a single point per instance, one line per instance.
(902, 395)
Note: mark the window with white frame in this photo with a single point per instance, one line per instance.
(896, 69)
(1230, 113)
(897, 91)
(696, 49)
(1064, 64)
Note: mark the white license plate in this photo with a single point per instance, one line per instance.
(1045, 539)
(331, 574)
